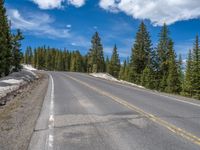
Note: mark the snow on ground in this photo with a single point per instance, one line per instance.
(104, 76)
(15, 80)
(129, 83)
(28, 67)
(12, 81)
(111, 78)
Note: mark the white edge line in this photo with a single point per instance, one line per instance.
(171, 98)
(50, 138)
(175, 99)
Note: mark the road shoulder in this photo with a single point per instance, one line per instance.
(18, 117)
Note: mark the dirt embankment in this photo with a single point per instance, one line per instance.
(19, 115)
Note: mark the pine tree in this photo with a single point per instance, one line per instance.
(122, 71)
(28, 55)
(47, 58)
(114, 65)
(60, 61)
(85, 63)
(140, 52)
(173, 82)
(5, 42)
(65, 60)
(79, 62)
(162, 57)
(95, 55)
(35, 59)
(8, 56)
(147, 78)
(180, 70)
(107, 64)
(41, 58)
(196, 70)
(73, 62)
(187, 85)
(16, 51)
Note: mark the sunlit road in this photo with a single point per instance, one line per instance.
(81, 112)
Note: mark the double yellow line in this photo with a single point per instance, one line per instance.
(187, 135)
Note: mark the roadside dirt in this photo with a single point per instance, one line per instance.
(18, 116)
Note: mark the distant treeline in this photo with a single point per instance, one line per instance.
(155, 68)
(10, 52)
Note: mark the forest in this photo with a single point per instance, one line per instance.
(158, 68)
(154, 68)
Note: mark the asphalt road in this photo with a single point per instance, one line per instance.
(81, 112)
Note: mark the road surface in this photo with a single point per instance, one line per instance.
(81, 112)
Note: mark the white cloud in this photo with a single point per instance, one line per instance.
(69, 26)
(48, 4)
(76, 3)
(52, 4)
(38, 24)
(157, 11)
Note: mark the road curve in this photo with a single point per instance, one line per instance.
(83, 112)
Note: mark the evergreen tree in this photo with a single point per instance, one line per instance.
(162, 57)
(5, 42)
(60, 61)
(122, 71)
(180, 70)
(107, 64)
(35, 59)
(16, 51)
(140, 52)
(196, 70)
(41, 58)
(79, 62)
(73, 62)
(95, 55)
(173, 82)
(65, 60)
(147, 78)
(187, 85)
(47, 59)
(28, 55)
(114, 65)
(85, 63)
(76, 62)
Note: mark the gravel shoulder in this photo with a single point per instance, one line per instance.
(18, 117)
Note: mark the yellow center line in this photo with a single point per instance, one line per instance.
(181, 132)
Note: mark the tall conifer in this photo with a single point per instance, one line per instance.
(114, 65)
(5, 42)
(140, 53)
(173, 82)
(163, 55)
(95, 55)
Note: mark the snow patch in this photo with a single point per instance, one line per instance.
(15, 80)
(104, 76)
(33, 73)
(107, 76)
(132, 84)
(12, 81)
(28, 67)
(8, 89)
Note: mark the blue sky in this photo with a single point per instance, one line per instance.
(71, 23)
